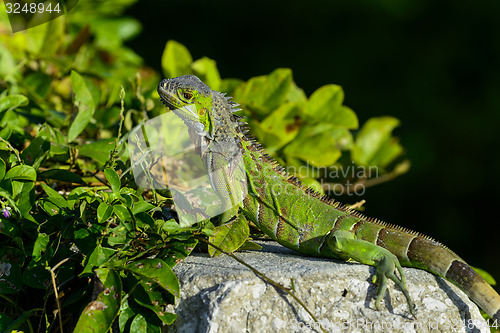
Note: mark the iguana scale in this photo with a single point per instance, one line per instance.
(298, 217)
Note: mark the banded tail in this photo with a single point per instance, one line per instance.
(419, 251)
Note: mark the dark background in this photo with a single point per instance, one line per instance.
(432, 64)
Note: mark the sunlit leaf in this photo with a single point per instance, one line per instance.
(12, 101)
(206, 69)
(104, 212)
(113, 179)
(265, 93)
(325, 105)
(2, 168)
(157, 271)
(99, 256)
(98, 315)
(374, 144)
(229, 236)
(280, 127)
(85, 103)
(98, 150)
(319, 145)
(21, 172)
(176, 60)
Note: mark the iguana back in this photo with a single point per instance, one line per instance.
(298, 217)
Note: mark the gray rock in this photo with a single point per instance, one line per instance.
(221, 295)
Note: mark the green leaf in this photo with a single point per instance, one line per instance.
(128, 200)
(58, 145)
(42, 240)
(54, 195)
(180, 250)
(62, 175)
(296, 94)
(142, 206)
(122, 212)
(36, 152)
(10, 102)
(7, 196)
(144, 221)
(37, 276)
(206, 69)
(318, 145)
(10, 277)
(49, 206)
(5, 322)
(104, 212)
(8, 64)
(20, 320)
(265, 93)
(9, 229)
(98, 315)
(113, 179)
(229, 236)
(38, 83)
(45, 39)
(2, 168)
(250, 245)
(99, 256)
(85, 240)
(280, 127)
(149, 296)
(485, 275)
(117, 235)
(110, 33)
(84, 101)
(374, 145)
(24, 194)
(21, 172)
(157, 271)
(98, 150)
(125, 317)
(176, 60)
(229, 85)
(139, 324)
(325, 106)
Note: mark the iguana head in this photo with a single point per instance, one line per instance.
(190, 99)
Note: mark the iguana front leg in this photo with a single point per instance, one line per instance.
(346, 246)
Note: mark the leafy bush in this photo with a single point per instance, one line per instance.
(81, 243)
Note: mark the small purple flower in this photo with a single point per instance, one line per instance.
(6, 212)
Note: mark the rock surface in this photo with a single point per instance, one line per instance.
(221, 295)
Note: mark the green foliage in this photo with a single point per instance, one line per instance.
(70, 91)
(309, 135)
(229, 236)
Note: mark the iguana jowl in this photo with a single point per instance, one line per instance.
(298, 217)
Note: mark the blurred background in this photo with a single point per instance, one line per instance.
(434, 65)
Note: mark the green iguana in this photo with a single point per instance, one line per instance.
(298, 217)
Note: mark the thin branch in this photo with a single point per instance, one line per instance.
(352, 188)
(262, 276)
(14, 150)
(53, 277)
(357, 204)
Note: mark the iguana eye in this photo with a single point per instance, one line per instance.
(185, 95)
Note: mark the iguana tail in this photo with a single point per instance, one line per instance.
(423, 252)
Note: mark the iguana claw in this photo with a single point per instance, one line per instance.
(386, 268)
